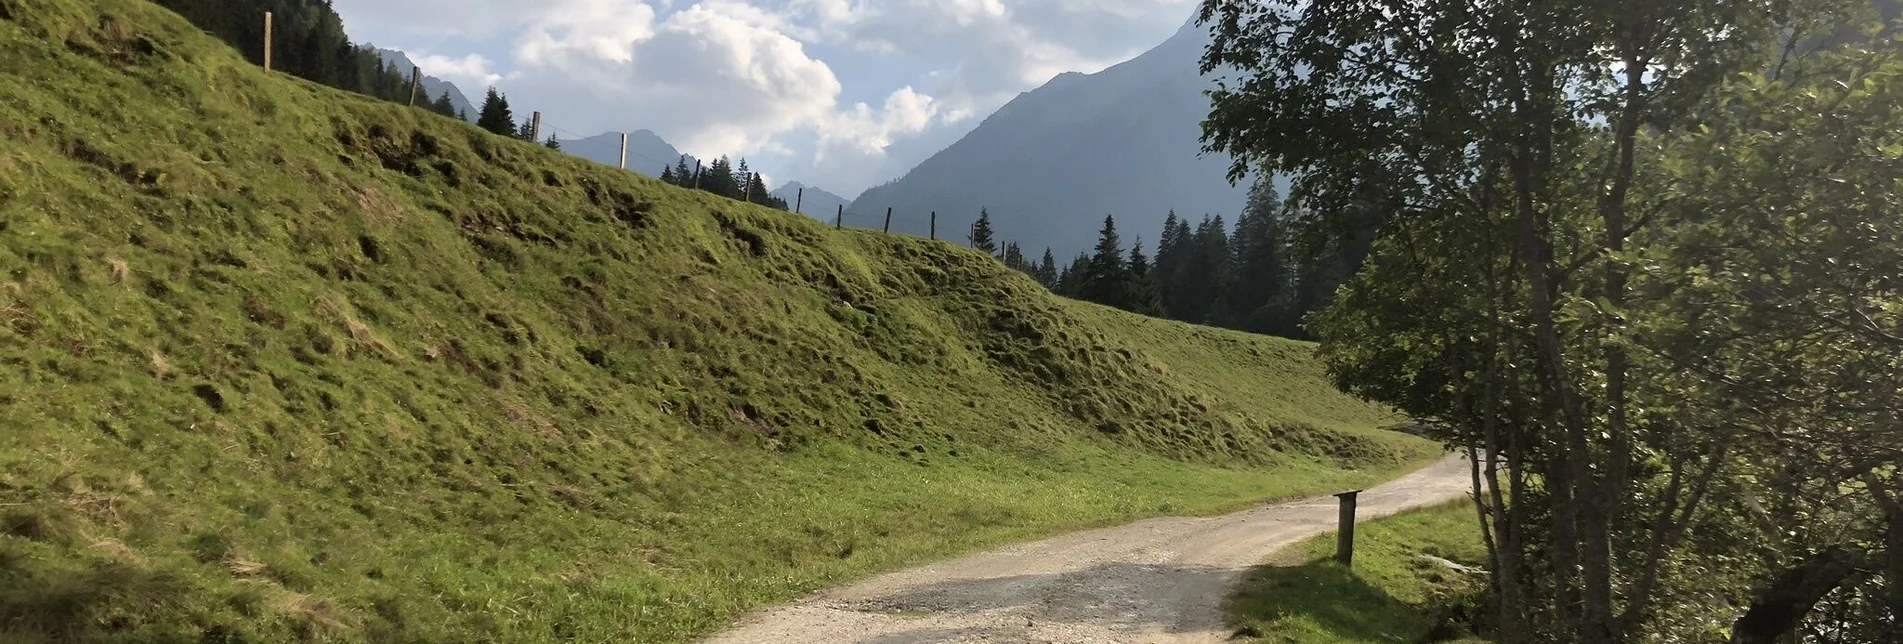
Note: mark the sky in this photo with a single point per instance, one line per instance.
(840, 94)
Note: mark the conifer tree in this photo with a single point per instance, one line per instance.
(495, 116)
(1106, 277)
(982, 236)
(1014, 258)
(1140, 294)
(683, 175)
(667, 175)
(1047, 270)
(442, 105)
(1260, 279)
(553, 143)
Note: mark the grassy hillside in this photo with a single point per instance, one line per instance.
(1391, 594)
(282, 362)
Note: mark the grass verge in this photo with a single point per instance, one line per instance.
(1393, 593)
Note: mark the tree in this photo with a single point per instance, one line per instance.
(982, 235)
(495, 115)
(526, 131)
(683, 175)
(667, 176)
(1047, 270)
(1140, 289)
(442, 105)
(1501, 301)
(1106, 277)
(1258, 296)
(553, 143)
(1014, 258)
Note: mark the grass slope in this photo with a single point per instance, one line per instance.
(1390, 594)
(280, 362)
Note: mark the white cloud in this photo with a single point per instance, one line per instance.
(862, 131)
(604, 29)
(743, 77)
(471, 72)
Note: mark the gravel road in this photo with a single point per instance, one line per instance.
(1157, 581)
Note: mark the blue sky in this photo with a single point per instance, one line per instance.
(841, 94)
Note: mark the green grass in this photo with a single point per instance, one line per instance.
(280, 363)
(1391, 594)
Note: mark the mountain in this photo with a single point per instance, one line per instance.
(1052, 162)
(647, 152)
(812, 200)
(432, 86)
(284, 364)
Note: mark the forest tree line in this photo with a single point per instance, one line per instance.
(1257, 276)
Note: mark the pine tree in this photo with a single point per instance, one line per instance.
(1070, 280)
(442, 105)
(553, 143)
(527, 131)
(1173, 253)
(1014, 258)
(1047, 269)
(1106, 280)
(1197, 283)
(1259, 288)
(683, 175)
(718, 178)
(982, 236)
(667, 176)
(495, 116)
(1141, 286)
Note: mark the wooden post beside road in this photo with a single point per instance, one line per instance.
(624, 152)
(416, 79)
(888, 219)
(840, 218)
(267, 41)
(934, 224)
(696, 174)
(1345, 534)
(799, 199)
(535, 128)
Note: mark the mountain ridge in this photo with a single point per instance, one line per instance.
(1138, 125)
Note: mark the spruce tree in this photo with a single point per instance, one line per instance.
(683, 175)
(1014, 258)
(442, 105)
(1173, 255)
(1260, 282)
(553, 143)
(1047, 269)
(982, 236)
(667, 175)
(1106, 279)
(527, 131)
(1140, 293)
(495, 116)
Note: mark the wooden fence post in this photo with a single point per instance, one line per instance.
(888, 219)
(416, 79)
(934, 224)
(535, 128)
(839, 219)
(799, 200)
(1345, 533)
(696, 174)
(624, 152)
(267, 41)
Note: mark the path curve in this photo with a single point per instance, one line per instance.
(1157, 581)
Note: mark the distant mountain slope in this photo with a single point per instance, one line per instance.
(432, 86)
(1051, 163)
(822, 205)
(647, 151)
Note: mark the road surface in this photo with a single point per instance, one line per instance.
(1158, 581)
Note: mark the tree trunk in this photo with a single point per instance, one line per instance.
(1781, 607)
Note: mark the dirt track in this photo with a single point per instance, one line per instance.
(1150, 582)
